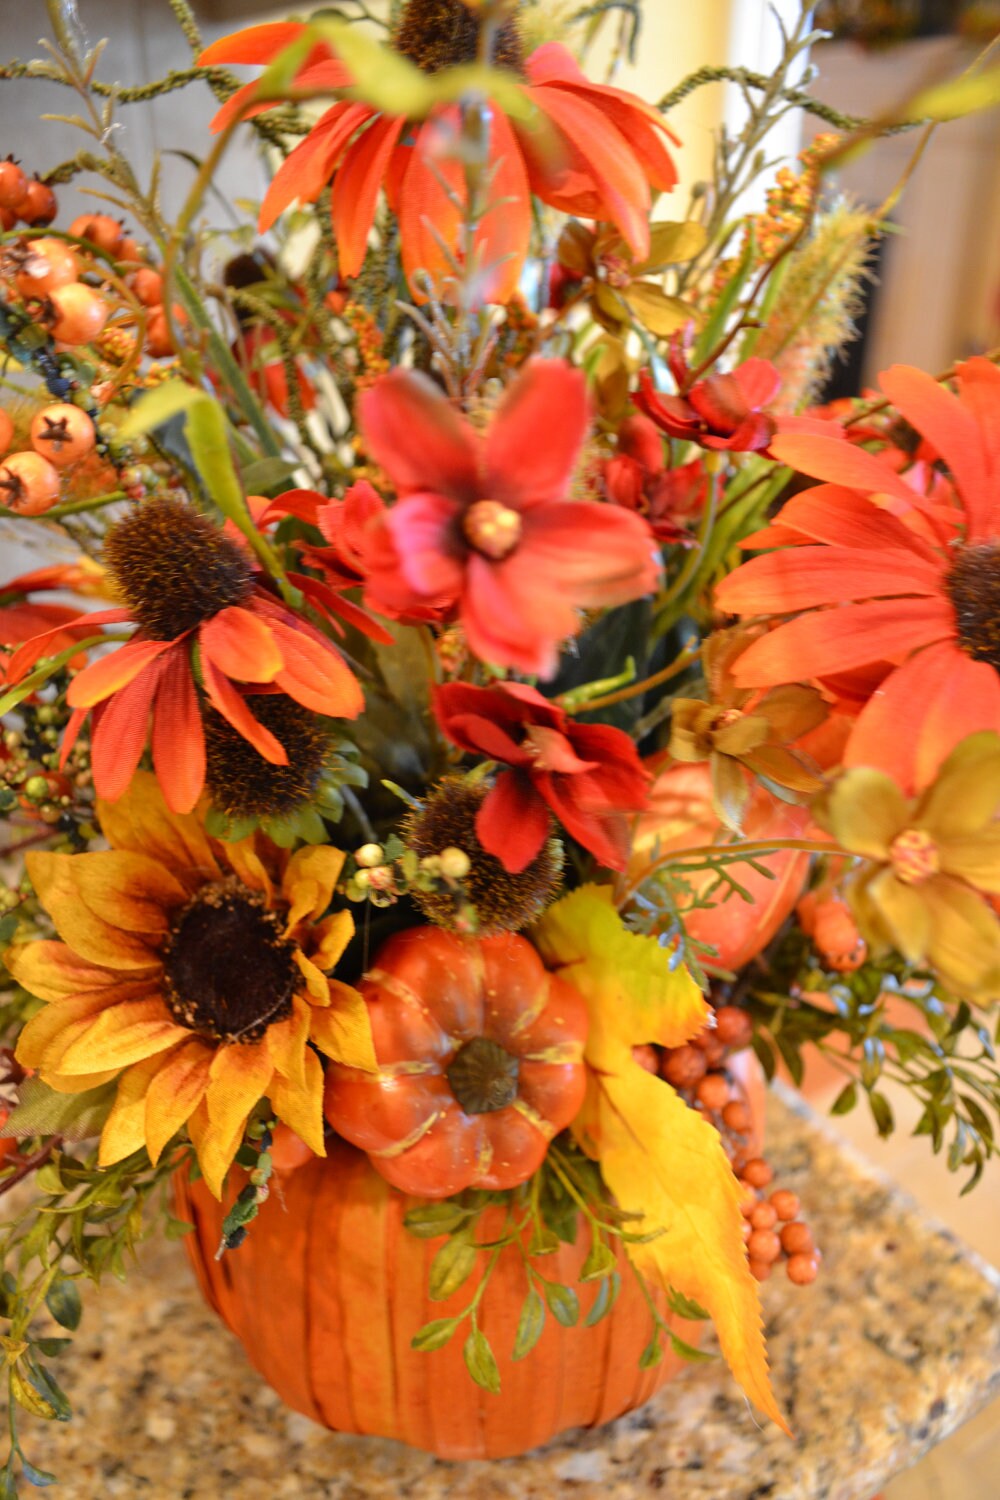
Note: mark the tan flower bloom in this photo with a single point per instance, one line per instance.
(931, 863)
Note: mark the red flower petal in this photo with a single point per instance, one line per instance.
(841, 463)
(758, 380)
(412, 431)
(842, 517)
(356, 190)
(306, 171)
(596, 555)
(317, 676)
(253, 44)
(953, 431)
(118, 740)
(513, 822)
(233, 709)
(598, 153)
(178, 736)
(535, 437)
(605, 837)
(113, 672)
(835, 640)
(513, 617)
(241, 645)
(424, 531)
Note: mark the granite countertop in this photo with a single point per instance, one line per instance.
(895, 1345)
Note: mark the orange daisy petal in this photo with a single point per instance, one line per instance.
(356, 189)
(300, 1105)
(317, 984)
(178, 737)
(175, 1093)
(252, 44)
(111, 673)
(119, 735)
(87, 933)
(951, 428)
(307, 169)
(329, 938)
(241, 645)
(317, 676)
(803, 577)
(233, 709)
(836, 640)
(832, 459)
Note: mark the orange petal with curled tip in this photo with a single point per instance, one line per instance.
(58, 1021)
(309, 880)
(241, 645)
(120, 1035)
(252, 44)
(300, 1105)
(232, 706)
(111, 673)
(175, 1093)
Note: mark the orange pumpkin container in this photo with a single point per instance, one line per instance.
(330, 1287)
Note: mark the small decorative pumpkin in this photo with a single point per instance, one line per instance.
(480, 1053)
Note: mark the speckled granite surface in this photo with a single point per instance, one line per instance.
(895, 1345)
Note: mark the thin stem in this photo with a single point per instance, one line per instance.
(751, 849)
(636, 689)
(30, 1164)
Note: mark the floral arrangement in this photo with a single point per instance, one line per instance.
(497, 699)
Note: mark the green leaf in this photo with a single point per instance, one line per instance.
(8, 1489)
(966, 95)
(564, 1304)
(653, 1352)
(51, 1347)
(25, 1395)
(600, 1260)
(63, 1301)
(265, 474)
(480, 1362)
(607, 1296)
(685, 1307)
(687, 1351)
(384, 79)
(451, 1268)
(432, 1219)
(530, 1324)
(435, 1335)
(208, 436)
(48, 1388)
(40, 1478)
(156, 407)
(845, 1100)
(881, 1114)
(76, 1117)
(544, 1241)
(48, 1180)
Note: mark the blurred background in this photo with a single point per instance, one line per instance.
(935, 296)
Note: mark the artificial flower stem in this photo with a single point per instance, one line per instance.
(689, 654)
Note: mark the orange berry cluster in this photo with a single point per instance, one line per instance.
(791, 199)
(60, 435)
(24, 199)
(772, 1228)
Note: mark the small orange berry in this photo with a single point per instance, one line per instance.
(802, 1269)
(647, 1058)
(28, 484)
(13, 183)
(6, 431)
(80, 313)
(148, 286)
(101, 230)
(37, 206)
(51, 264)
(757, 1172)
(62, 433)
(736, 1117)
(684, 1067)
(733, 1026)
(786, 1203)
(763, 1216)
(764, 1244)
(713, 1091)
(760, 1270)
(797, 1239)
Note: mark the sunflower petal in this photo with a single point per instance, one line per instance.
(330, 938)
(286, 1041)
(309, 880)
(142, 822)
(89, 934)
(175, 1093)
(249, 867)
(343, 1030)
(56, 1021)
(120, 1035)
(214, 1150)
(300, 1105)
(125, 1128)
(238, 1078)
(52, 971)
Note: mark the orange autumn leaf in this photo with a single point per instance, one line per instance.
(659, 1158)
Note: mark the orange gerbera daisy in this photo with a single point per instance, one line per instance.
(22, 617)
(187, 584)
(194, 972)
(878, 574)
(600, 155)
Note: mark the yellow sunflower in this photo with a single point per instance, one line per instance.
(194, 971)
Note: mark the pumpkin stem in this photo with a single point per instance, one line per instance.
(483, 1076)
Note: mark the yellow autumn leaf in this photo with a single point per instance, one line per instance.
(659, 1158)
(641, 993)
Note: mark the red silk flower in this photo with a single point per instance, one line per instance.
(589, 776)
(602, 153)
(483, 523)
(721, 411)
(637, 478)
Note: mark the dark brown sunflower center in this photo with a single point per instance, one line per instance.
(974, 586)
(174, 568)
(438, 34)
(242, 783)
(483, 1076)
(228, 971)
